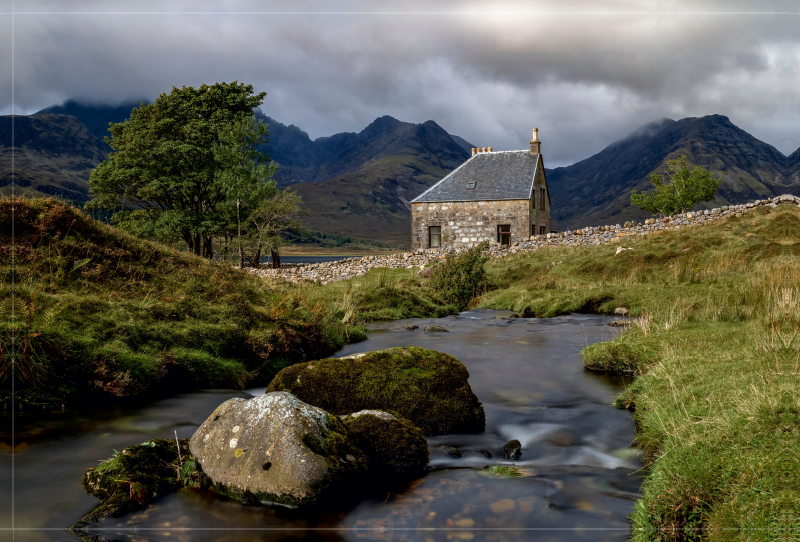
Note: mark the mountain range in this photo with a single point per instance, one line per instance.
(597, 189)
(360, 184)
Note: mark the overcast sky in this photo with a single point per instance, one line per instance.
(584, 75)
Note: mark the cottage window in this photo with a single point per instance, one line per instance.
(504, 234)
(533, 228)
(542, 230)
(541, 199)
(435, 236)
(471, 186)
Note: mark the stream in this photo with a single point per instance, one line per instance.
(580, 477)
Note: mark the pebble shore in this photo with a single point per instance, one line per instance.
(348, 268)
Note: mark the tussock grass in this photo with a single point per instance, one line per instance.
(101, 315)
(715, 342)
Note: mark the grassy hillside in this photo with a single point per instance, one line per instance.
(100, 315)
(715, 340)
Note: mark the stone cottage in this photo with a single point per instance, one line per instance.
(500, 197)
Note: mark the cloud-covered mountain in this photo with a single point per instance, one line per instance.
(360, 184)
(597, 190)
(95, 116)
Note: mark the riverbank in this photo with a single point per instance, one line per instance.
(100, 316)
(714, 338)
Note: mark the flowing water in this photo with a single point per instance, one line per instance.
(579, 476)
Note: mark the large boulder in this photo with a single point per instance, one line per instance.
(275, 448)
(427, 387)
(393, 445)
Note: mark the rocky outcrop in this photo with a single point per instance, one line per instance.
(392, 444)
(427, 387)
(275, 448)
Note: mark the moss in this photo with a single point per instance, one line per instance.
(392, 446)
(427, 387)
(136, 475)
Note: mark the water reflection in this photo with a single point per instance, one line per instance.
(578, 471)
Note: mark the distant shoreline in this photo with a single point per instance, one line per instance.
(293, 250)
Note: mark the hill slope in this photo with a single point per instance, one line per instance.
(53, 155)
(95, 117)
(596, 190)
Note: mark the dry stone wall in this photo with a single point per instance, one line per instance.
(354, 267)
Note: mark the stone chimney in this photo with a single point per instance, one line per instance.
(490, 149)
(474, 151)
(536, 145)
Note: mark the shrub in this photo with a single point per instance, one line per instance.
(459, 279)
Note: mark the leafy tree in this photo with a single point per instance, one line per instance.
(268, 220)
(247, 178)
(167, 168)
(685, 189)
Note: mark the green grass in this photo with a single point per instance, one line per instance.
(502, 471)
(715, 342)
(100, 315)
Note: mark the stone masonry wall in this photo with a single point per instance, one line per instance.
(353, 267)
(467, 223)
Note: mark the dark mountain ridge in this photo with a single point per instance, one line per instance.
(95, 116)
(304, 160)
(360, 184)
(598, 188)
(53, 155)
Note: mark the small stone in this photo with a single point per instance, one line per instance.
(512, 449)
(437, 329)
(451, 451)
(503, 505)
(411, 327)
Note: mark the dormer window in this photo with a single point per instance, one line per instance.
(471, 186)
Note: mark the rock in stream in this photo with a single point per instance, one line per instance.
(275, 448)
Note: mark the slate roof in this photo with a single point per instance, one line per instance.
(503, 175)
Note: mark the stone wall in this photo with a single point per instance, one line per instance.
(353, 267)
(467, 223)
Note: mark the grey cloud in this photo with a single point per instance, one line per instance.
(584, 80)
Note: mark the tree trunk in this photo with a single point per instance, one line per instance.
(276, 259)
(239, 233)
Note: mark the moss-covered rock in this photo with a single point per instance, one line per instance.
(275, 448)
(137, 475)
(392, 444)
(427, 387)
